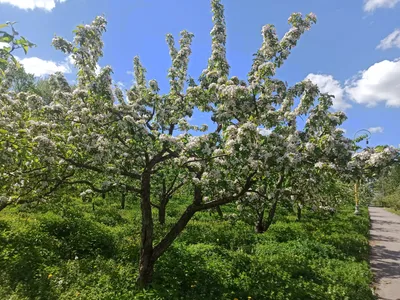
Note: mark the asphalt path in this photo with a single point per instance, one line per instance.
(385, 252)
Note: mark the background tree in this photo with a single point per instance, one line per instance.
(387, 187)
(302, 158)
(368, 164)
(22, 81)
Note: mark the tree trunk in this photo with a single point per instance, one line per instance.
(123, 201)
(150, 255)
(146, 264)
(164, 198)
(299, 212)
(260, 228)
(272, 211)
(271, 215)
(162, 212)
(219, 211)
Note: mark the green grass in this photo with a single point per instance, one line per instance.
(70, 252)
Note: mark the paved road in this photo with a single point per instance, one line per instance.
(385, 254)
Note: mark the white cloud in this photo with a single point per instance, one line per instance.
(379, 83)
(40, 67)
(2, 45)
(327, 84)
(376, 129)
(371, 5)
(391, 41)
(32, 4)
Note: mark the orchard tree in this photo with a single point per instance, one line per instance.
(15, 147)
(368, 164)
(27, 175)
(95, 137)
(387, 187)
(303, 160)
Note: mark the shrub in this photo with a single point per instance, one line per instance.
(78, 236)
(213, 259)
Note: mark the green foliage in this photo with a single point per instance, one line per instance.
(14, 41)
(387, 188)
(239, 236)
(78, 236)
(22, 81)
(69, 251)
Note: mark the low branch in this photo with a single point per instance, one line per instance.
(211, 204)
(203, 159)
(91, 185)
(150, 118)
(155, 205)
(169, 238)
(172, 191)
(258, 193)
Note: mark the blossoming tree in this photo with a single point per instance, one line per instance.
(368, 164)
(303, 160)
(95, 138)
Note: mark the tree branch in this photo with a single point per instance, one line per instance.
(229, 199)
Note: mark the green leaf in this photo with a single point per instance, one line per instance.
(3, 25)
(25, 47)
(15, 61)
(6, 38)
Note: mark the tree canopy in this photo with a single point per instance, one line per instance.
(97, 138)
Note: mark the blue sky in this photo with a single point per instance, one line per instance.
(351, 52)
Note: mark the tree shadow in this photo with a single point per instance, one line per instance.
(379, 238)
(385, 263)
(377, 221)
